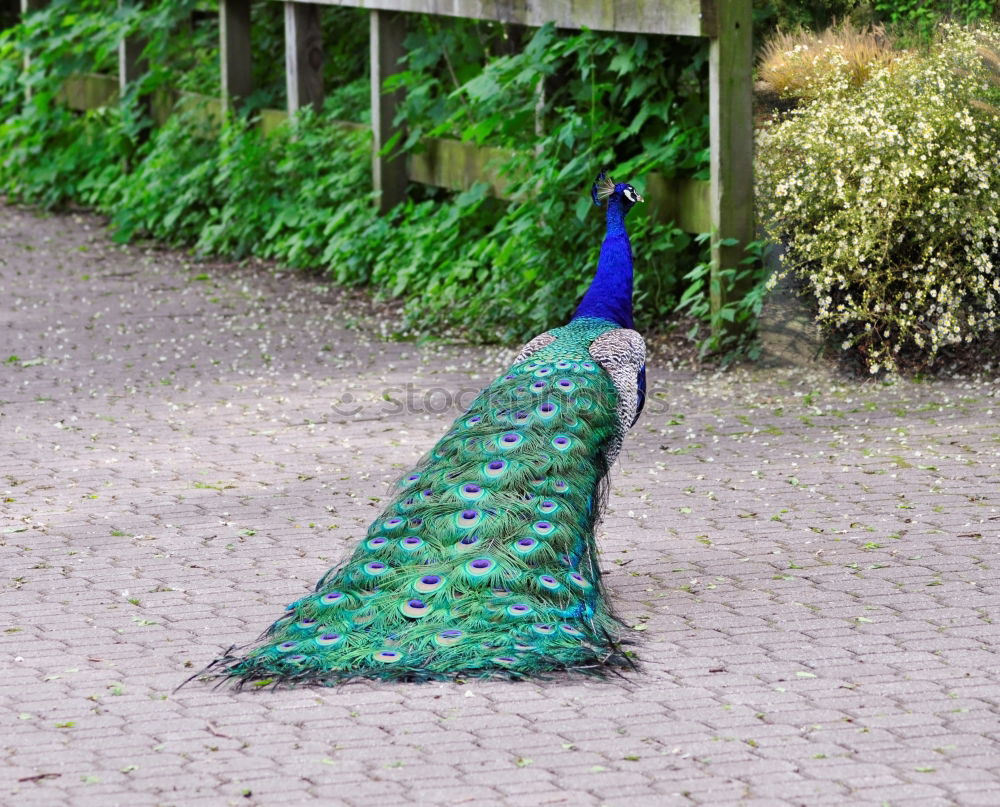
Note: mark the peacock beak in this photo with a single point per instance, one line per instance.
(638, 198)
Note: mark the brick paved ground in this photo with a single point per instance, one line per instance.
(811, 562)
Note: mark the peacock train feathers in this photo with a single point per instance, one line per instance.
(484, 562)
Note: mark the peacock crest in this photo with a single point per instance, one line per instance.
(605, 187)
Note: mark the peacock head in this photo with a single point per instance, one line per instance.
(606, 188)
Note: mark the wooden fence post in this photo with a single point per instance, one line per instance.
(234, 51)
(388, 173)
(731, 140)
(303, 56)
(27, 6)
(131, 65)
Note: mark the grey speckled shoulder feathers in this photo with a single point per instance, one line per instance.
(621, 353)
(536, 344)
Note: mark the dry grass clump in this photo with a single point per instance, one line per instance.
(989, 52)
(795, 65)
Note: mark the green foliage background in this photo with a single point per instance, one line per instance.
(466, 263)
(910, 21)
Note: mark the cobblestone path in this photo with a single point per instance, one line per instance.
(809, 563)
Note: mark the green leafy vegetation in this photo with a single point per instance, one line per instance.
(561, 105)
(911, 21)
(923, 16)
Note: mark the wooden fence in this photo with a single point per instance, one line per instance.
(722, 206)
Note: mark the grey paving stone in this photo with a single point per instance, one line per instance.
(812, 558)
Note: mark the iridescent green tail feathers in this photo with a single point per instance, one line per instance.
(484, 562)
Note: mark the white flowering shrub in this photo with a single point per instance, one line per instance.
(887, 197)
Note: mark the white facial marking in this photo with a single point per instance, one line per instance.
(630, 195)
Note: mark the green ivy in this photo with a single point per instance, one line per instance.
(562, 105)
(911, 22)
(923, 16)
(728, 332)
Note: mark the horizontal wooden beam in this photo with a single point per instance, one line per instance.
(686, 202)
(271, 119)
(679, 17)
(206, 109)
(443, 162)
(89, 91)
(95, 90)
(452, 164)
(268, 120)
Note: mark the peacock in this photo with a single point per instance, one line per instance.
(484, 562)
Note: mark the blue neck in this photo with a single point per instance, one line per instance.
(610, 294)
